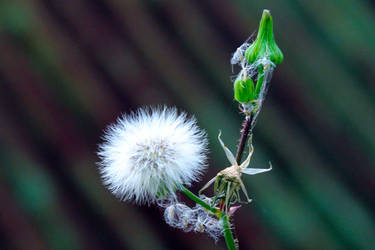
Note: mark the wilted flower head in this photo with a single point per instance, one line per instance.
(228, 181)
(146, 154)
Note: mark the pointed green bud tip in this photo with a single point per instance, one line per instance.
(264, 45)
(244, 90)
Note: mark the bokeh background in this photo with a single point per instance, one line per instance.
(69, 68)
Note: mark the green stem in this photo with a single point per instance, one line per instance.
(259, 81)
(198, 200)
(229, 240)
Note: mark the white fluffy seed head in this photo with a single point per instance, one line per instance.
(146, 154)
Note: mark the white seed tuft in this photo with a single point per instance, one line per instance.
(146, 154)
(195, 219)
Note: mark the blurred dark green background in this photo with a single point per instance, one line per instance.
(69, 68)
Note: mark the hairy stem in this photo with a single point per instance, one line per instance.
(229, 240)
(246, 130)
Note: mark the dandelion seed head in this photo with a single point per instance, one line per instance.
(146, 154)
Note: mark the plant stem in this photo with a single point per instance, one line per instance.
(229, 240)
(246, 130)
(198, 200)
(259, 84)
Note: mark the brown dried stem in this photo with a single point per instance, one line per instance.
(247, 128)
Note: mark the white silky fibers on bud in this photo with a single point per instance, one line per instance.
(195, 219)
(146, 154)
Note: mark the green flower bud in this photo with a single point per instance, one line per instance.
(264, 45)
(244, 90)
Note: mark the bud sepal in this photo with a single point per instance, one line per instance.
(244, 90)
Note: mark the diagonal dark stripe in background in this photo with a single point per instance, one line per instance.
(55, 164)
(135, 53)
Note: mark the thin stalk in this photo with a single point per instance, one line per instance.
(246, 130)
(198, 200)
(259, 84)
(248, 124)
(229, 240)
